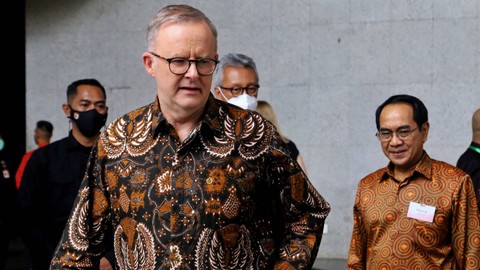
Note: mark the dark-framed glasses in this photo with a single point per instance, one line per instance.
(251, 90)
(180, 66)
(402, 133)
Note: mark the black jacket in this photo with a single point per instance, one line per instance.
(46, 195)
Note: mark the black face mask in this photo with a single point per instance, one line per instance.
(88, 122)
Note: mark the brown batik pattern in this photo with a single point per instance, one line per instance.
(385, 238)
(204, 203)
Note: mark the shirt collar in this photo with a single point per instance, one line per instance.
(72, 143)
(424, 168)
(210, 119)
(475, 144)
(213, 117)
(42, 144)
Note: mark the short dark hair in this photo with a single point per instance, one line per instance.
(72, 88)
(45, 126)
(420, 112)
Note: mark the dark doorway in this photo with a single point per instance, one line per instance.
(13, 114)
(12, 109)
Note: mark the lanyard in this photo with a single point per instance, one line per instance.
(474, 148)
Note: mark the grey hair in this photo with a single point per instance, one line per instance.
(233, 60)
(178, 14)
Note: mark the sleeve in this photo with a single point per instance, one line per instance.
(303, 213)
(358, 243)
(466, 227)
(84, 239)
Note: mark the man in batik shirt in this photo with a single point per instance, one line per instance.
(188, 181)
(418, 212)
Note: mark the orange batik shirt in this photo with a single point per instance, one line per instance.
(428, 221)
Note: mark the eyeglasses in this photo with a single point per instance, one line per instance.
(180, 66)
(387, 135)
(251, 90)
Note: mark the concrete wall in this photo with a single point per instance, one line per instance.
(325, 65)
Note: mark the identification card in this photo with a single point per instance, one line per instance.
(421, 211)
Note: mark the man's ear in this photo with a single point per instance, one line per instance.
(66, 110)
(218, 93)
(148, 63)
(425, 129)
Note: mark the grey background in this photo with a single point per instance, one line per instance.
(325, 65)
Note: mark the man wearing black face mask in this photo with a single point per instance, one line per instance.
(53, 174)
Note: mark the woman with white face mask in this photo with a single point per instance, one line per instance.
(236, 81)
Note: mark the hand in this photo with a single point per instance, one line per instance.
(105, 264)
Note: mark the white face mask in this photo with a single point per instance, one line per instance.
(244, 101)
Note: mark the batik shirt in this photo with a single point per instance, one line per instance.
(395, 226)
(227, 197)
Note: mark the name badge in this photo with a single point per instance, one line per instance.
(421, 211)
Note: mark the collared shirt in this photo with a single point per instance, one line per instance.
(384, 237)
(469, 161)
(49, 187)
(228, 196)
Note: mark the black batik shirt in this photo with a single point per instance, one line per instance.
(227, 197)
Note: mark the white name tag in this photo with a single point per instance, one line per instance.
(421, 211)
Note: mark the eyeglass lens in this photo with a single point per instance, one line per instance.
(251, 90)
(386, 135)
(180, 66)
